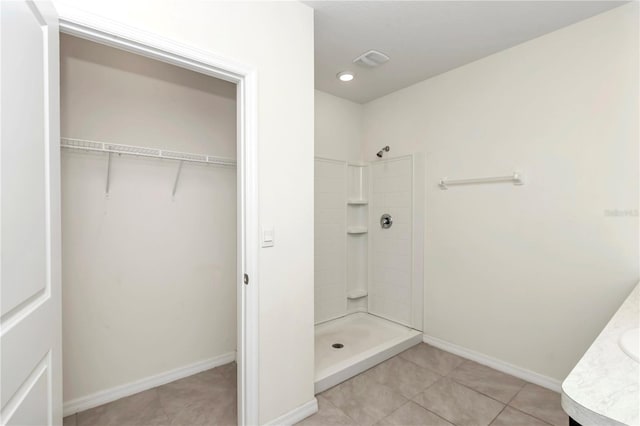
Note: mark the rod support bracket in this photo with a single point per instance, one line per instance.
(175, 182)
(106, 188)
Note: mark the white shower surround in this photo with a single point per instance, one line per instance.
(368, 280)
(355, 258)
(330, 292)
(396, 266)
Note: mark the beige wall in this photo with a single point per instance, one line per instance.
(530, 274)
(338, 128)
(276, 38)
(148, 281)
(119, 97)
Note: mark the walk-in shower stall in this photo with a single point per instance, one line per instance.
(368, 263)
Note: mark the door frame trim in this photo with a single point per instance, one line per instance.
(98, 29)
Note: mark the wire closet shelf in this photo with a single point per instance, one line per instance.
(141, 151)
(86, 145)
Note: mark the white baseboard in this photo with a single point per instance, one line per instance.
(109, 395)
(505, 367)
(297, 414)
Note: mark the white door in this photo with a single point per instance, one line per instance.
(30, 321)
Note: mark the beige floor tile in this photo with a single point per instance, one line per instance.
(365, 400)
(222, 413)
(512, 417)
(181, 394)
(207, 398)
(143, 408)
(379, 395)
(225, 375)
(434, 359)
(488, 381)
(403, 376)
(184, 393)
(411, 414)
(458, 404)
(327, 415)
(69, 420)
(540, 403)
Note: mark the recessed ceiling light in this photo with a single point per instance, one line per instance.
(345, 76)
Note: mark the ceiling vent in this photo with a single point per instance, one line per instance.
(371, 59)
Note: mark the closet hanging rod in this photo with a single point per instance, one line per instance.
(516, 178)
(141, 151)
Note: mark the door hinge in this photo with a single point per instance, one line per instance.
(246, 279)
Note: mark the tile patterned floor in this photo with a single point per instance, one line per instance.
(427, 386)
(421, 386)
(207, 398)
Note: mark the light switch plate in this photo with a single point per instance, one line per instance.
(268, 237)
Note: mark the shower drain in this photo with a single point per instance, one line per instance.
(337, 346)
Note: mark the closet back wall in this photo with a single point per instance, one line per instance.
(148, 281)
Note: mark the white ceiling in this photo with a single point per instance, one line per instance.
(426, 38)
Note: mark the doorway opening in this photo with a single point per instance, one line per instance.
(171, 179)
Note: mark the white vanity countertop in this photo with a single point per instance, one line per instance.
(602, 389)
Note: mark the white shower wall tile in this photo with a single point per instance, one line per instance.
(329, 215)
(357, 262)
(390, 295)
(391, 184)
(401, 215)
(391, 168)
(377, 199)
(329, 291)
(328, 200)
(395, 280)
(328, 184)
(390, 309)
(329, 240)
(330, 247)
(398, 199)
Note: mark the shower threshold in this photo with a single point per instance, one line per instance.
(347, 346)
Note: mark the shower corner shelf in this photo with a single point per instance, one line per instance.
(356, 294)
(357, 202)
(357, 230)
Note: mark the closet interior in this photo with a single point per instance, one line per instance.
(148, 223)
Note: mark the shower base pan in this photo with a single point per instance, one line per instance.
(366, 340)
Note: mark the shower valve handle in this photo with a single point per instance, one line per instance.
(386, 221)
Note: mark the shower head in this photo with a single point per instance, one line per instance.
(382, 151)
